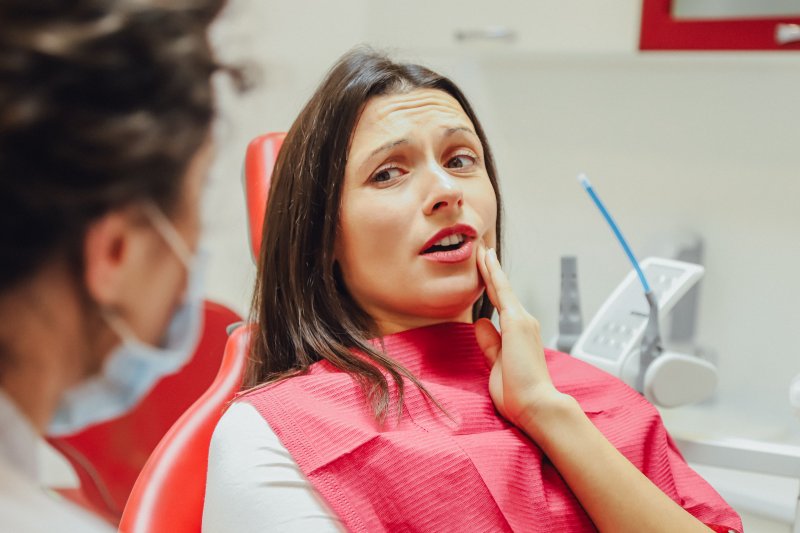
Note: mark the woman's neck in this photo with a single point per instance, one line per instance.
(389, 324)
(43, 349)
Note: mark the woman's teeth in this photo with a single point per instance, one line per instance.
(450, 240)
(446, 244)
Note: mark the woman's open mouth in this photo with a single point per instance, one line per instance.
(447, 244)
(451, 245)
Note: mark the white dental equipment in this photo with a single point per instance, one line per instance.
(570, 323)
(613, 339)
(624, 338)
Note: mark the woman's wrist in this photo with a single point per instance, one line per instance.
(548, 412)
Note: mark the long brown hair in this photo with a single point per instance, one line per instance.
(302, 309)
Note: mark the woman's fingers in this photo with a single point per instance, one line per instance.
(488, 339)
(519, 376)
(483, 269)
(521, 333)
(499, 289)
(505, 299)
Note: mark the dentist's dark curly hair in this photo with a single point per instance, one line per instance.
(103, 103)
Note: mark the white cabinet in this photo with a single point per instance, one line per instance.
(551, 26)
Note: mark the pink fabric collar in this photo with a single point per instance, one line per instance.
(471, 471)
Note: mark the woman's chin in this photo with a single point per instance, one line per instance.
(451, 303)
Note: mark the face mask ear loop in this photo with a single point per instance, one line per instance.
(168, 232)
(117, 325)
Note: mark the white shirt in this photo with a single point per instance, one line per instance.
(254, 484)
(25, 506)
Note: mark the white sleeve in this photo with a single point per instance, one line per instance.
(253, 484)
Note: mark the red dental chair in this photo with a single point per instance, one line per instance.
(107, 457)
(168, 495)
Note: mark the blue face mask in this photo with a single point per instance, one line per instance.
(134, 368)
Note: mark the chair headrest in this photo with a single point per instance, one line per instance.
(262, 152)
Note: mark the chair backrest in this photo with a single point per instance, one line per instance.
(107, 457)
(169, 494)
(259, 162)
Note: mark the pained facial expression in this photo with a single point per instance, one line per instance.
(416, 201)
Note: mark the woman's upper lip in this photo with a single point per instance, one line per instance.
(465, 229)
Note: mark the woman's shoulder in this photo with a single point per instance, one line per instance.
(253, 483)
(239, 433)
(241, 419)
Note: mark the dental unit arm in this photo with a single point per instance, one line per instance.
(624, 337)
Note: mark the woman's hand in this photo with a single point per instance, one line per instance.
(519, 383)
(617, 496)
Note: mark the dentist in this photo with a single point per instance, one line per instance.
(105, 111)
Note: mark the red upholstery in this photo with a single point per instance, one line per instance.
(168, 496)
(108, 456)
(262, 152)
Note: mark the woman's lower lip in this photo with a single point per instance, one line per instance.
(451, 256)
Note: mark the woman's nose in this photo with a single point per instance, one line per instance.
(445, 193)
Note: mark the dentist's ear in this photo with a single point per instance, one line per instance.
(112, 252)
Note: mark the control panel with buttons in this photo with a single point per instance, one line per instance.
(615, 333)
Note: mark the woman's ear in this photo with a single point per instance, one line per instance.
(112, 250)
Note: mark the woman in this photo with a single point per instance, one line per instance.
(384, 224)
(105, 112)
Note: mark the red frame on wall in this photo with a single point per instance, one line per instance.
(662, 32)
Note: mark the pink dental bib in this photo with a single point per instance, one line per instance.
(471, 470)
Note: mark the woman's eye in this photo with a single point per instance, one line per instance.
(386, 174)
(460, 161)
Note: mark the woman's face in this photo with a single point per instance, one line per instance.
(415, 203)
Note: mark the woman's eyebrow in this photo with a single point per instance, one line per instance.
(387, 146)
(391, 144)
(382, 148)
(450, 131)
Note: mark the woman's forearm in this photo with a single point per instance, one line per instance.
(615, 494)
